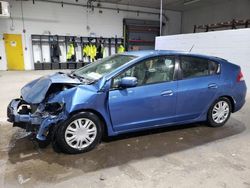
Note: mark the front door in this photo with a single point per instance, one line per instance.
(152, 102)
(14, 51)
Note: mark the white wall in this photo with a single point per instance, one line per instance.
(73, 20)
(233, 45)
(220, 11)
(173, 26)
(2, 54)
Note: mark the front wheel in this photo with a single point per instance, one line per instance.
(219, 112)
(80, 133)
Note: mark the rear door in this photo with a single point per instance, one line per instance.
(152, 102)
(197, 87)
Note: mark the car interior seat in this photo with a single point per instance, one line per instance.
(159, 74)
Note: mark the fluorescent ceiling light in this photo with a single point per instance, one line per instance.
(191, 2)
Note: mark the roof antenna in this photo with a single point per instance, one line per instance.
(191, 48)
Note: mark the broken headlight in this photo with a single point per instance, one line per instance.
(54, 108)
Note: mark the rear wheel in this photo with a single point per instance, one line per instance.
(219, 112)
(80, 133)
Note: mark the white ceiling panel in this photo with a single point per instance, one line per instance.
(178, 5)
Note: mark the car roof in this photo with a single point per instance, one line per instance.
(149, 53)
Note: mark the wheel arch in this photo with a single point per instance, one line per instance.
(231, 99)
(98, 114)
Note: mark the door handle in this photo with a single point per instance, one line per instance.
(167, 93)
(212, 86)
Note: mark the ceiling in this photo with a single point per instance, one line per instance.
(178, 5)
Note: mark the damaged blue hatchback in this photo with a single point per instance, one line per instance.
(125, 93)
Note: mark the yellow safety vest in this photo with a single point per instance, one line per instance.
(120, 49)
(90, 51)
(71, 51)
(86, 51)
(93, 51)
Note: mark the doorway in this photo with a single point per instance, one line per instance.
(14, 51)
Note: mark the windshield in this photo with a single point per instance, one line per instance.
(104, 66)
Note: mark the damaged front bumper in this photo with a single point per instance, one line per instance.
(38, 122)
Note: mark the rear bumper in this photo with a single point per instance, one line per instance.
(37, 122)
(240, 92)
(239, 104)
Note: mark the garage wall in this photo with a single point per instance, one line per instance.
(2, 54)
(42, 18)
(233, 45)
(214, 13)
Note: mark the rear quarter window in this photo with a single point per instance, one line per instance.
(192, 67)
(213, 67)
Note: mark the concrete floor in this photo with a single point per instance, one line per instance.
(182, 156)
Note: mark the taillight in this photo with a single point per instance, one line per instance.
(240, 77)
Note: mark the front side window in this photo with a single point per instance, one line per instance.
(195, 67)
(155, 70)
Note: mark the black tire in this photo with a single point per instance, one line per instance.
(43, 144)
(60, 133)
(210, 121)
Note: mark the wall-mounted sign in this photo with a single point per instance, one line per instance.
(13, 43)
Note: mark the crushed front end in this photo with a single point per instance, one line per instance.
(46, 103)
(35, 118)
(34, 111)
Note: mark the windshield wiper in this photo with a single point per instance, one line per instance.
(73, 75)
(82, 78)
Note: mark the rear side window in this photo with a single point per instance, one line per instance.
(195, 67)
(213, 67)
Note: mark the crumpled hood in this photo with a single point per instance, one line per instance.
(35, 91)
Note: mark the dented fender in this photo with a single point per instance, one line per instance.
(85, 97)
(55, 98)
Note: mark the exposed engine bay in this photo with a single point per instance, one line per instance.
(37, 109)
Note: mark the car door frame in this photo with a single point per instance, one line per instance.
(179, 75)
(111, 80)
(176, 69)
(180, 78)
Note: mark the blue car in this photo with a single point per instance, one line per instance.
(125, 93)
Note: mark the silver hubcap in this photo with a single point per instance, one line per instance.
(80, 133)
(220, 112)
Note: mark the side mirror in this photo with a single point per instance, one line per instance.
(128, 82)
